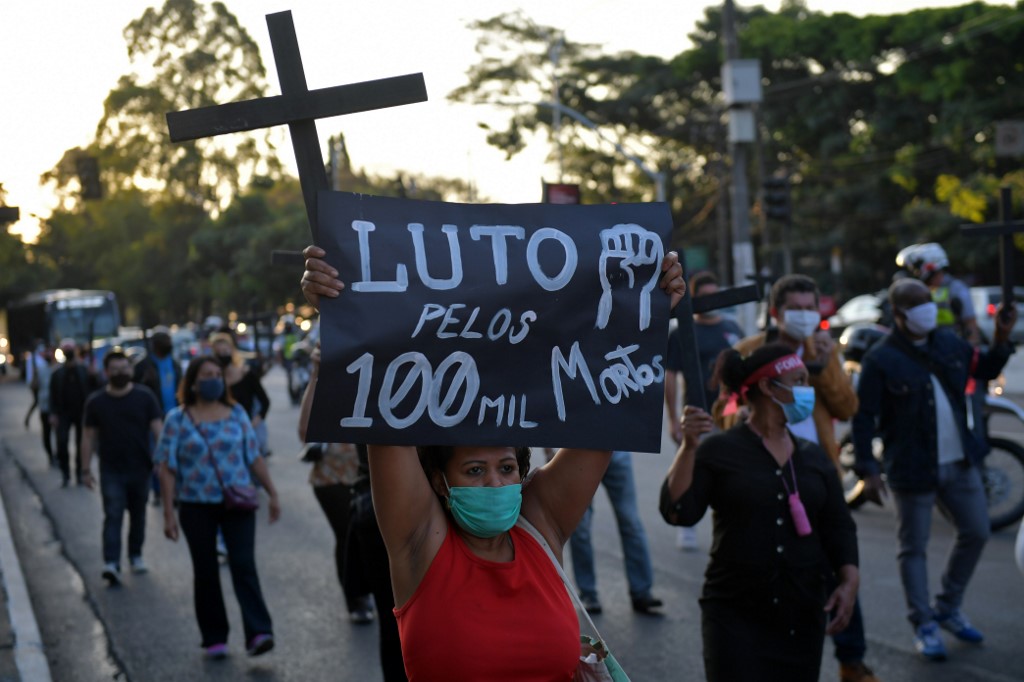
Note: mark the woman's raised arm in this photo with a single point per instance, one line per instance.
(409, 514)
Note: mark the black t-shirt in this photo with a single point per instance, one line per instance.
(70, 385)
(711, 340)
(122, 426)
(247, 391)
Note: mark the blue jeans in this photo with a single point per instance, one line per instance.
(199, 523)
(121, 493)
(618, 481)
(962, 496)
(850, 644)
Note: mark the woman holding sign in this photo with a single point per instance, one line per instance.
(780, 517)
(477, 598)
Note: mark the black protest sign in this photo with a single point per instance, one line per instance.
(534, 324)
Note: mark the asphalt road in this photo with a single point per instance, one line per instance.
(146, 631)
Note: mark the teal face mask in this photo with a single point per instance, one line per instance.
(802, 405)
(485, 511)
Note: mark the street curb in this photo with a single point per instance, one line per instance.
(29, 656)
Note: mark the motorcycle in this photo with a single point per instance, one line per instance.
(298, 372)
(1002, 469)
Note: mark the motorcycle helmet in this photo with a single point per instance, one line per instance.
(857, 339)
(922, 260)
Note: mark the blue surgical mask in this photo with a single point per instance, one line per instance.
(211, 389)
(485, 511)
(802, 405)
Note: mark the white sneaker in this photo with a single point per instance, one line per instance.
(112, 574)
(138, 565)
(686, 539)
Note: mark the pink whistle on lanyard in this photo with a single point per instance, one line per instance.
(799, 514)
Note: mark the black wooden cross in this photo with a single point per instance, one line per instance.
(297, 106)
(9, 214)
(764, 283)
(693, 373)
(1005, 229)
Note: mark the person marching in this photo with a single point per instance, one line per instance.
(794, 307)
(929, 263)
(70, 385)
(779, 515)
(341, 484)
(120, 420)
(477, 594)
(713, 334)
(208, 446)
(912, 393)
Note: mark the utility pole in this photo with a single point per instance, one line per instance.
(742, 87)
(556, 122)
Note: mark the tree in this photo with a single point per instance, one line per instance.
(885, 124)
(15, 275)
(629, 98)
(185, 55)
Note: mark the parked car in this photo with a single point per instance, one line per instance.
(866, 308)
(986, 302)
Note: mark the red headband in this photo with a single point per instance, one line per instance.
(775, 368)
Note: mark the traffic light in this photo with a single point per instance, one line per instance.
(88, 170)
(776, 202)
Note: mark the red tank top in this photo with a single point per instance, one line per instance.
(472, 619)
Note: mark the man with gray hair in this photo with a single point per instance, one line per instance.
(912, 393)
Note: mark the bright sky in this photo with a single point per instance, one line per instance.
(60, 58)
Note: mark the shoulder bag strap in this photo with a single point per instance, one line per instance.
(209, 449)
(529, 528)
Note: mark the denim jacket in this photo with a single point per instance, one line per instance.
(897, 397)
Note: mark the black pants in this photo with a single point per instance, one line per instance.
(336, 501)
(747, 643)
(33, 406)
(376, 572)
(64, 424)
(44, 424)
(199, 523)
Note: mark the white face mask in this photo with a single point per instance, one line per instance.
(921, 319)
(800, 324)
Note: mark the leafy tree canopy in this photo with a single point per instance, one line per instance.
(884, 124)
(185, 55)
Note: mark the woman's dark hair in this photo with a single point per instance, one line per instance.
(435, 458)
(187, 394)
(732, 369)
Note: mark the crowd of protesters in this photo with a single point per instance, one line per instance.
(473, 537)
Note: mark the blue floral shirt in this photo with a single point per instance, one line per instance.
(186, 448)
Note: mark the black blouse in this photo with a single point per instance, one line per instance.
(245, 392)
(756, 551)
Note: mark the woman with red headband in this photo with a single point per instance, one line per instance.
(780, 522)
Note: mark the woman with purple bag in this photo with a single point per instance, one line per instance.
(780, 523)
(208, 456)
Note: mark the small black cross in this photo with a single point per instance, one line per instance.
(693, 374)
(764, 283)
(297, 106)
(1005, 229)
(9, 214)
